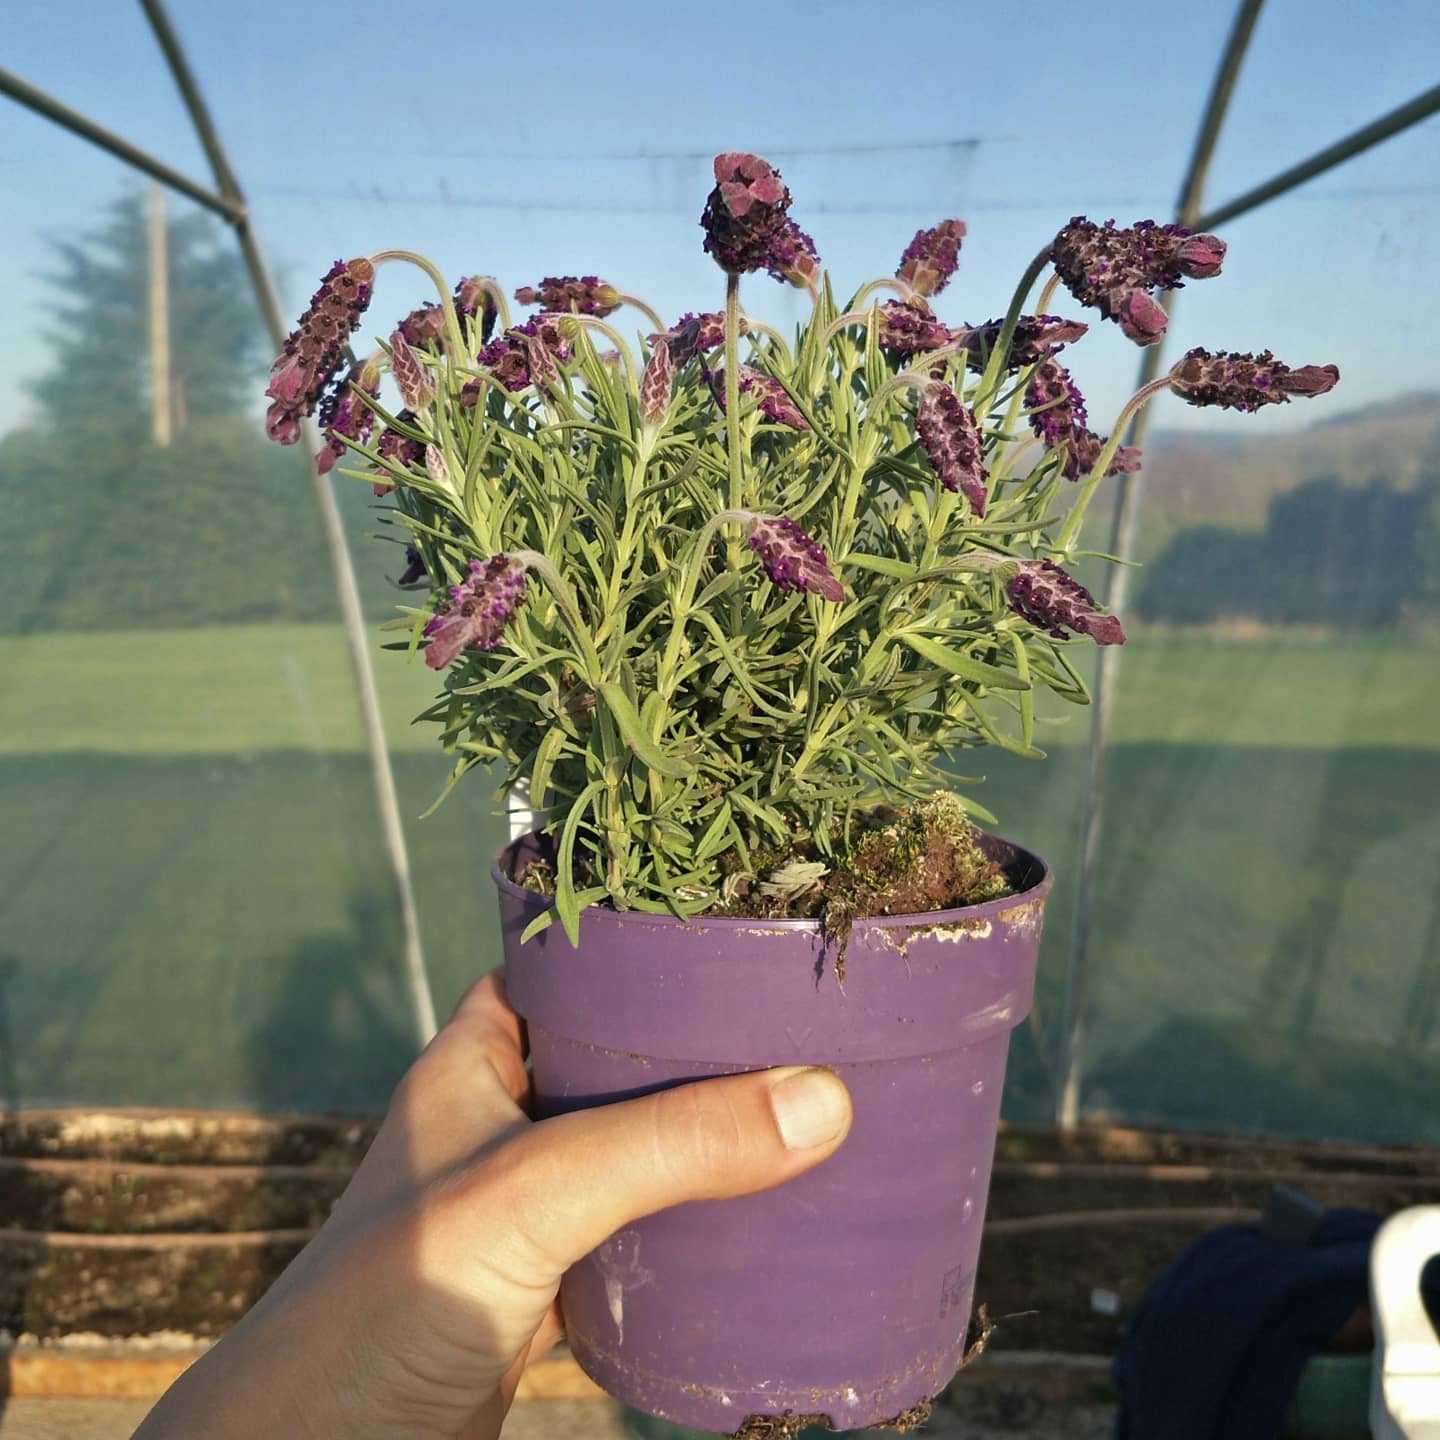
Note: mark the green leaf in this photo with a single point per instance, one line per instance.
(506, 678)
(722, 584)
(567, 902)
(738, 668)
(1027, 698)
(466, 762)
(550, 749)
(545, 920)
(896, 569)
(717, 833)
(677, 478)
(962, 665)
(591, 429)
(761, 814)
(627, 718)
(1077, 691)
(976, 810)
(1004, 741)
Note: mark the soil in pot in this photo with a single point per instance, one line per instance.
(909, 861)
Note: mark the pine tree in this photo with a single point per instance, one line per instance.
(103, 529)
(98, 335)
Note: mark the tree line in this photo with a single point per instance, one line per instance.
(1333, 555)
(101, 528)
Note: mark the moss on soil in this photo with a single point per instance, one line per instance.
(906, 861)
(909, 861)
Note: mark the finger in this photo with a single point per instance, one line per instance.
(549, 1335)
(488, 1031)
(475, 1059)
(465, 1091)
(557, 1191)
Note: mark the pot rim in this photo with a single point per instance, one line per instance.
(986, 910)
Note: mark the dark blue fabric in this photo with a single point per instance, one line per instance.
(1216, 1347)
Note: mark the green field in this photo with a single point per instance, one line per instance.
(247, 688)
(197, 911)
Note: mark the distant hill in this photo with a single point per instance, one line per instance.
(1331, 526)
(1226, 479)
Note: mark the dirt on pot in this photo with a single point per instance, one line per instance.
(785, 1427)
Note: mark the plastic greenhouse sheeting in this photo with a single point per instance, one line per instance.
(196, 909)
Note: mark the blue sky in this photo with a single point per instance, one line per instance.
(573, 138)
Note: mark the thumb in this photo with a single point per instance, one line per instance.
(570, 1182)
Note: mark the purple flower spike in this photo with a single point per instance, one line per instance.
(932, 257)
(1057, 416)
(1142, 318)
(1200, 256)
(417, 389)
(1056, 406)
(951, 441)
(473, 298)
(790, 258)
(1047, 597)
(746, 207)
(792, 560)
(423, 328)
(1310, 380)
(1085, 448)
(1236, 381)
(1036, 338)
(398, 448)
(908, 327)
(692, 335)
(509, 358)
(1118, 270)
(586, 293)
(414, 571)
(543, 370)
(770, 396)
(345, 416)
(478, 610)
(656, 383)
(315, 349)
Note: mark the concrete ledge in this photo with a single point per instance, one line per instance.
(50, 1372)
(141, 1371)
(558, 1377)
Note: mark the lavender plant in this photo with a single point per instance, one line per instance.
(718, 594)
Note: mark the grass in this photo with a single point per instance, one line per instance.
(1265, 942)
(196, 911)
(248, 688)
(220, 930)
(237, 689)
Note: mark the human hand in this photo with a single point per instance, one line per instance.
(415, 1309)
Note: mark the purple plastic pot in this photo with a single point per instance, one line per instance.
(846, 1292)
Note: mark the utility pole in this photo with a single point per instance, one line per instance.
(160, 404)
